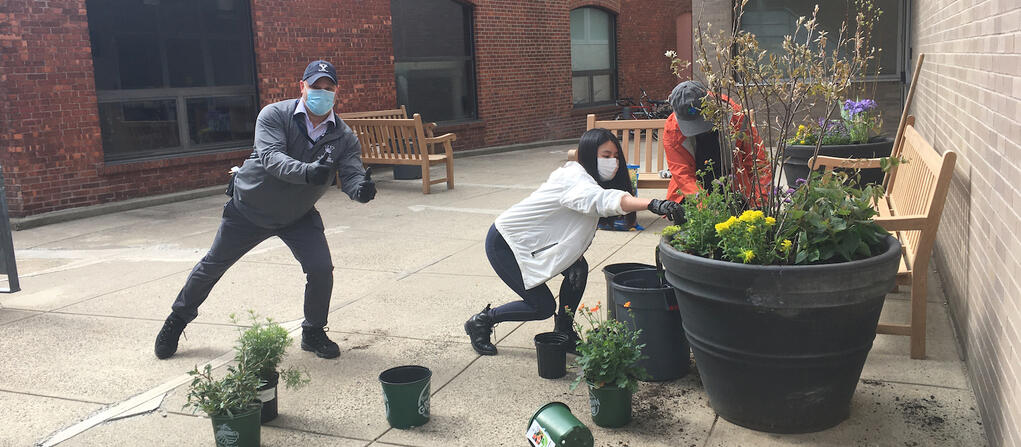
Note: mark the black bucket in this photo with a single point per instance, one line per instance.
(613, 270)
(551, 354)
(653, 309)
(268, 397)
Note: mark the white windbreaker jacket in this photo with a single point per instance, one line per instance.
(552, 228)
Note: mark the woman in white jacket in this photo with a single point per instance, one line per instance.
(547, 234)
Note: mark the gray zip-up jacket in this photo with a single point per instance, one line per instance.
(271, 189)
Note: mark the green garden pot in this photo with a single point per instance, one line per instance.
(406, 395)
(241, 430)
(611, 406)
(555, 425)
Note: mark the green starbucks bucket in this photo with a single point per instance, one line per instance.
(555, 425)
(406, 395)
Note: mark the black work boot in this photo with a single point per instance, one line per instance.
(314, 339)
(565, 324)
(166, 341)
(479, 328)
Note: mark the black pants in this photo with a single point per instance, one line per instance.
(536, 303)
(237, 235)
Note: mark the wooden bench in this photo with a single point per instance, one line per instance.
(911, 208)
(396, 114)
(404, 142)
(638, 147)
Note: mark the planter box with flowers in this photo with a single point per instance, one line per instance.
(849, 137)
(780, 289)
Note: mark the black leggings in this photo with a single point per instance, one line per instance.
(537, 303)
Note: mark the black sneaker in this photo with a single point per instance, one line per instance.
(166, 341)
(479, 329)
(315, 340)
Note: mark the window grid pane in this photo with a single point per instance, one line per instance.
(593, 48)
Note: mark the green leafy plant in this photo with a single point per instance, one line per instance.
(825, 218)
(263, 346)
(608, 352)
(234, 393)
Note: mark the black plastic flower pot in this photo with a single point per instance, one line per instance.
(613, 270)
(268, 397)
(240, 430)
(551, 354)
(406, 395)
(653, 310)
(795, 164)
(781, 348)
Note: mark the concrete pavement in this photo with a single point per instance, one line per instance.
(410, 268)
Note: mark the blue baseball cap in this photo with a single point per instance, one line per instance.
(318, 69)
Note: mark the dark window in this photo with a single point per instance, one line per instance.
(593, 57)
(172, 76)
(434, 58)
(771, 20)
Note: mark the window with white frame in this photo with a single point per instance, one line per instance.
(593, 57)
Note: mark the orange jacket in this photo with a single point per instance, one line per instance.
(682, 164)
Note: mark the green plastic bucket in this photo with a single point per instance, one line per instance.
(242, 430)
(406, 395)
(555, 425)
(611, 406)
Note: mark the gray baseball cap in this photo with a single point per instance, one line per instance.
(686, 100)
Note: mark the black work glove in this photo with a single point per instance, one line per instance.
(319, 172)
(367, 188)
(673, 210)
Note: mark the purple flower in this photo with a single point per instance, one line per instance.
(855, 107)
(800, 181)
(791, 190)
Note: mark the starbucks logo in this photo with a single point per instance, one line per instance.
(593, 403)
(423, 401)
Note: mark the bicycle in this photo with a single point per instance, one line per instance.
(646, 108)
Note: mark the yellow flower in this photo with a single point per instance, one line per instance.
(751, 216)
(748, 255)
(786, 244)
(725, 225)
(751, 228)
(627, 304)
(770, 221)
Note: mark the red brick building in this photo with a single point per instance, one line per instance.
(105, 100)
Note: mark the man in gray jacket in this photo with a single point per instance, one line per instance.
(299, 145)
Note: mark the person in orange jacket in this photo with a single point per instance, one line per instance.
(689, 142)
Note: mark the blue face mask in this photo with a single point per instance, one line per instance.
(319, 102)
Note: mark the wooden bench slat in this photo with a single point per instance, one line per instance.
(396, 141)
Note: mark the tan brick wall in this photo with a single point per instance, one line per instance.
(967, 100)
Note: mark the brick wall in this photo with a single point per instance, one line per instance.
(51, 150)
(646, 31)
(968, 100)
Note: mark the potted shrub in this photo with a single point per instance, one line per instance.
(780, 289)
(231, 402)
(608, 355)
(854, 135)
(263, 346)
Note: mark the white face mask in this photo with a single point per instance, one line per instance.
(607, 168)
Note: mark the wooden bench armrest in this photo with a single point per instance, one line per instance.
(906, 222)
(830, 163)
(572, 155)
(441, 139)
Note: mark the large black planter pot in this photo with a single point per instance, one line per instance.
(796, 158)
(780, 348)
